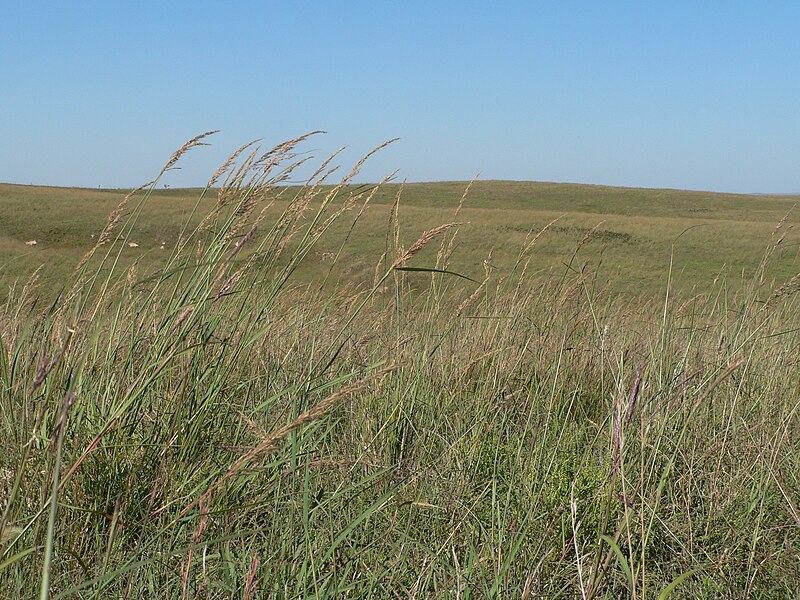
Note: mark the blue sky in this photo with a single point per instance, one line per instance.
(700, 95)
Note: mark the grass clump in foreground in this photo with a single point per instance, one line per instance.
(210, 429)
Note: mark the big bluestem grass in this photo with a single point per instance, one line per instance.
(236, 431)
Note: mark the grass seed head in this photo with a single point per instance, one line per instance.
(423, 241)
(192, 143)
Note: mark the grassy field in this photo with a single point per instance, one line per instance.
(635, 231)
(301, 395)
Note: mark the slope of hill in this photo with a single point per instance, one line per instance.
(634, 231)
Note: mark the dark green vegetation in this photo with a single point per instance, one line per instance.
(198, 421)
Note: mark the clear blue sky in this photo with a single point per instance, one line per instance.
(684, 94)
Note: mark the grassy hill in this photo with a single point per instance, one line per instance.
(634, 231)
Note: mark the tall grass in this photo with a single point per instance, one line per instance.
(218, 429)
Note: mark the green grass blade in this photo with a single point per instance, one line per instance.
(668, 591)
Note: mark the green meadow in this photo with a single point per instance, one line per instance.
(430, 390)
(635, 233)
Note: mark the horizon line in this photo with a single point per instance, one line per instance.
(428, 182)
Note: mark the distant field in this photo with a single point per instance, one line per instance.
(713, 234)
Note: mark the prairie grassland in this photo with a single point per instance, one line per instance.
(636, 232)
(206, 424)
